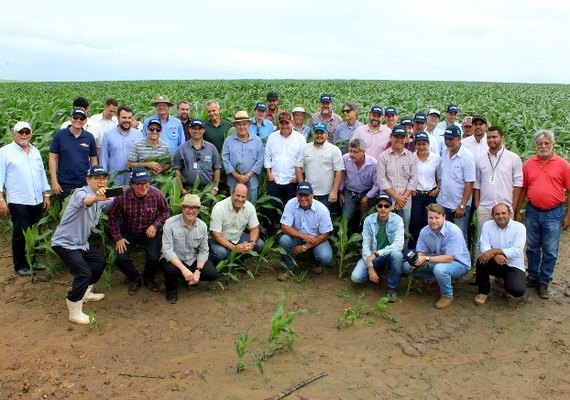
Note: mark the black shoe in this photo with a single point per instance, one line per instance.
(134, 286)
(392, 295)
(171, 297)
(531, 283)
(543, 291)
(152, 286)
(24, 272)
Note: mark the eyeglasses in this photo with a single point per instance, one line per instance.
(24, 132)
(383, 206)
(79, 117)
(346, 111)
(191, 208)
(154, 129)
(99, 178)
(145, 183)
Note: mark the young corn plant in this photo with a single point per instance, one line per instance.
(231, 266)
(350, 314)
(262, 257)
(346, 247)
(242, 349)
(381, 308)
(32, 236)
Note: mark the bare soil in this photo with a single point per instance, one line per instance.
(145, 348)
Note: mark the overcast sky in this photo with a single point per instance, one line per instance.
(502, 41)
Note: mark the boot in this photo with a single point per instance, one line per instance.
(90, 296)
(76, 313)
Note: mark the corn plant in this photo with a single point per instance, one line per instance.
(350, 314)
(32, 236)
(92, 314)
(242, 348)
(262, 257)
(381, 308)
(346, 247)
(231, 266)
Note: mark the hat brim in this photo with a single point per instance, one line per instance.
(154, 103)
(304, 192)
(241, 119)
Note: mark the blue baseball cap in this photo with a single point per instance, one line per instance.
(139, 174)
(391, 110)
(399, 130)
(197, 122)
(304, 188)
(451, 108)
(406, 121)
(96, 170)
(452, 131)
(154, 121)
(420, 117)
(260, 106)
(376, 109)
(385, 197)
(320, 127)
(421, 136)
(325, 98)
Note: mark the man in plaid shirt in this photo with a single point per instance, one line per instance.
(137, 217)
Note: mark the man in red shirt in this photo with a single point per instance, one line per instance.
(546, 178)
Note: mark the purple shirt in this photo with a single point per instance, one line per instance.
(360, 180)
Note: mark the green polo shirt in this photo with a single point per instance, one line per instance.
(217, 134)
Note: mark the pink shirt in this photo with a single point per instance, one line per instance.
(376, 142)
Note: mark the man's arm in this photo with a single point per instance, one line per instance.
(52, 165)
(299, 174)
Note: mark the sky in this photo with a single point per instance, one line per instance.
(489, 41)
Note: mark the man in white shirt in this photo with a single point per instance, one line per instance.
(502, 254)
(107, 120)
(477, 143)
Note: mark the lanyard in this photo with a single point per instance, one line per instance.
(494, 167)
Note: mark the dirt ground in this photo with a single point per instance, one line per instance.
(145, 348)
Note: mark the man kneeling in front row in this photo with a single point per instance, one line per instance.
(382, 243)
(502, 254)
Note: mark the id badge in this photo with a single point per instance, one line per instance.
(491, 180)
(195, 165)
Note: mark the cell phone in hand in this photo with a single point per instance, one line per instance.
(114, 192)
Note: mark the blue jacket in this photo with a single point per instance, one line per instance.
(394, 230)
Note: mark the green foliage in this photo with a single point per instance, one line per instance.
(351, 315)
(231, 266)
(346, 247)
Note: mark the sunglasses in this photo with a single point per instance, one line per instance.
(383, 206)
(24, 132)
(346, 111)
(154, 129)
(79, 117)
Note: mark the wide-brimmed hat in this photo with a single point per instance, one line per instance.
(162, 99)
(241, 116)
(191, 200)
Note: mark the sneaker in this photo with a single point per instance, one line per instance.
(171, 296)
(531, 283)
(24, 272)
(543, 291)
(443, 302)
(481, 299)
(151, 285)
(567, 291)
(317, 269)
(134, 286)
(392, 295)
(283, 275)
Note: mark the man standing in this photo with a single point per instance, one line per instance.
(70, 242)
(229, 219)
(477, 143)
(24, 190)
(242, 155)
(136, 218)
(326, 115)
(90, 125)
(374, 133)
(546, 183)
(172, 130)
(260, 126)
(457, 178)
(197, 159)
(299, 116)
(397, 174)
(273, 109)
(435, 134)
(107, 119)
(343, 132)
(117, 144)
(359, 186)
(185, 249)
(71, 152)
(151, 153)
(306, 225)
(467, 126)
(320, 163)
(450, 118)
(216, 128)
(382, 244)
(183, 114)
(499, 178)
(502, 254)
(391, 115)
(442, 254)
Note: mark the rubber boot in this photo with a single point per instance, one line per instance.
(76, 313)
(90, 296)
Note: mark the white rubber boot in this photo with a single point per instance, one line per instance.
(76, 313)
(90, 296)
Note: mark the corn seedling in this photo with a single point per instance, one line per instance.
(344, 293)
(231, 266)
(381, 308)
(350, 314)
(346, 247)
(281, 336)
(92, 314)
(302, 277)
(242, 349)
(262, 257)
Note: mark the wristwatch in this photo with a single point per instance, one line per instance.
(427, 258)
(462, 206)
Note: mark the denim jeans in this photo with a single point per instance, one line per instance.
(543, 229)
(151, 247)
(442, 273)
(392, 259)
(462, 223)
(323, 252)
(406, 213)
(418, 217)
(219, 252)
(351, 208)
(333, 207)
(23, 217)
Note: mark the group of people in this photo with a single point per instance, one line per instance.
(426, 179)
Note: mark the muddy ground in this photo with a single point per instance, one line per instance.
(145, 348)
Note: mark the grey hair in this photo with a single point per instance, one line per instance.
(357, 143)
(209, 103)
(544, 133)
(351, 105)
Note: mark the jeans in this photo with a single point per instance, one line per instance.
(442, 273)
(514, 278)
(405, 213)
(392, 259)
(86, 267)
(351, 208)
(462, 223)
(543, 229)
(23, 217)
(219, 252)
(152, 248)
(418, 217)
(172, 273)
(323, 252)
(333, 207)
(283, 193)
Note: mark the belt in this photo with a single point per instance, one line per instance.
(356, 194)
(546, 209)
(424, 192)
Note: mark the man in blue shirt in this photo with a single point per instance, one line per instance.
(261, 126)
(442, 254)
(172, 129)
(382, 244)
(306, 225)
(23, 179)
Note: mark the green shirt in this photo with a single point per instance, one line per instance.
(216, 134)
(381, 236)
